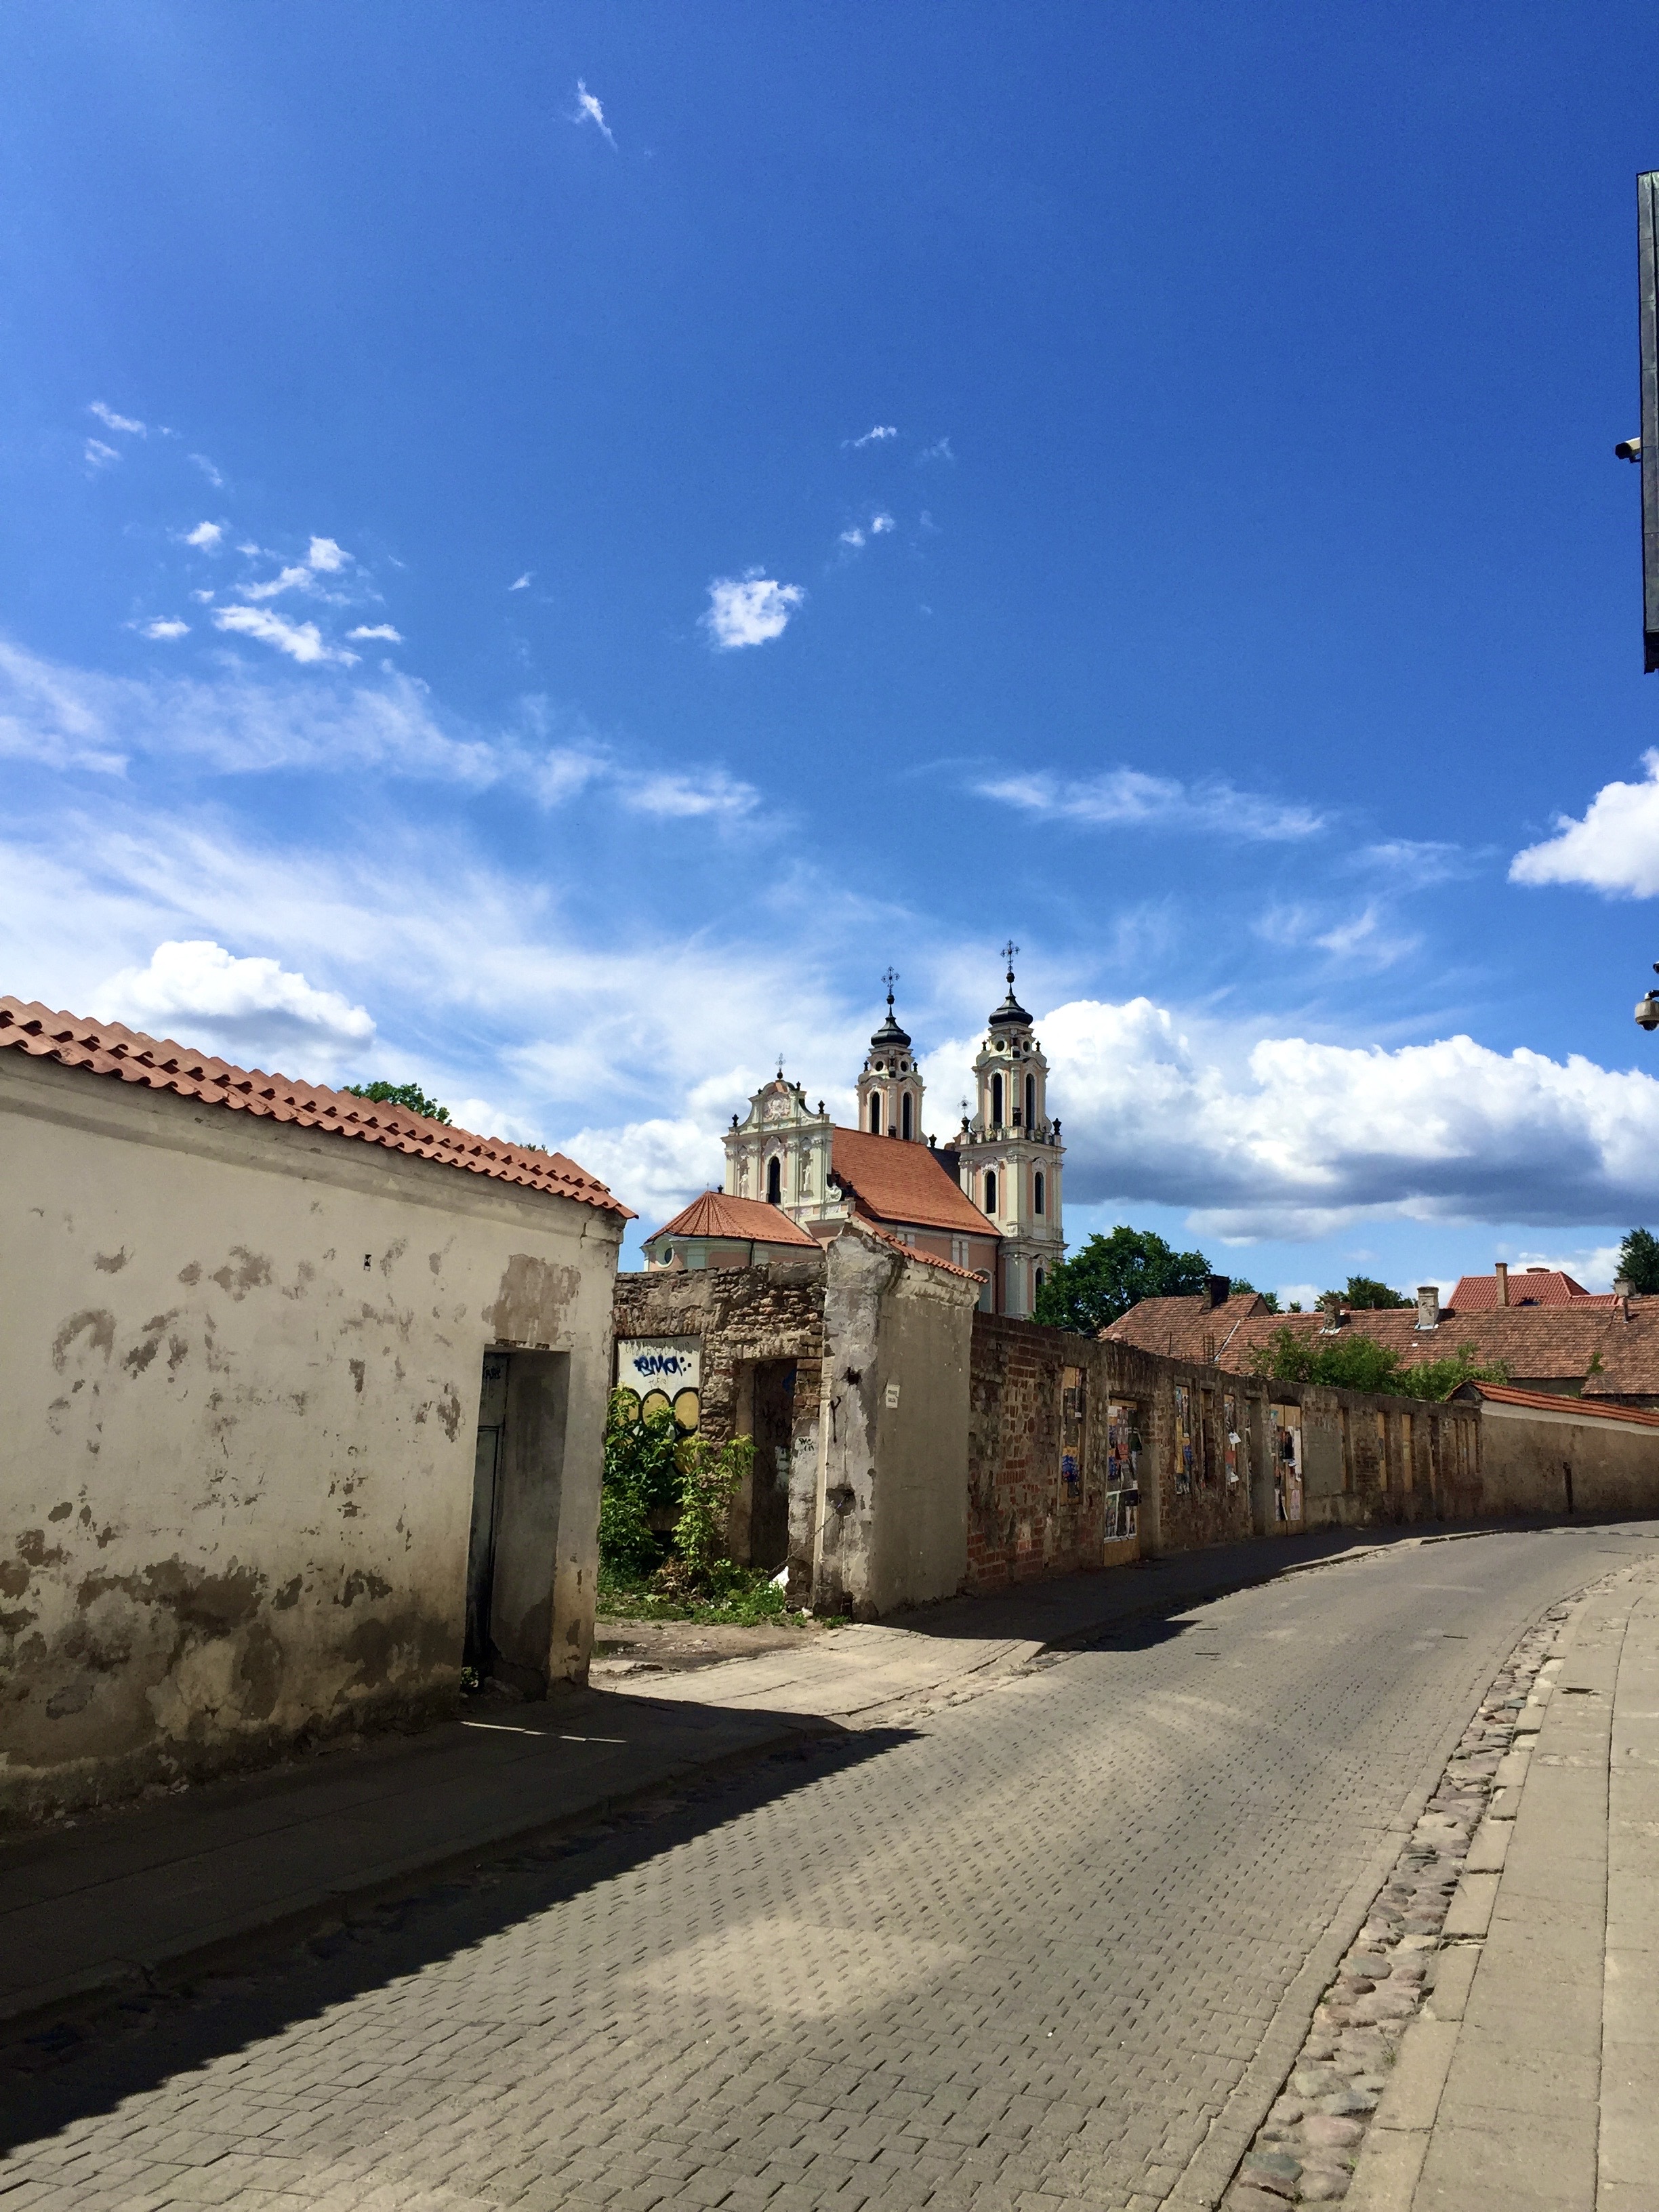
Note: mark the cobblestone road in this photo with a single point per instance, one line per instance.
(1017, 1956)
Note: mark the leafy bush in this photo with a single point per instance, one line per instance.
(652, 1470)
(1351, 1361)
(409, 1096)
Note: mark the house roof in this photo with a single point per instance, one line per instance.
(895, 1180)
(1528, 1286)
(1186, 1328)
(716, 1213)
(107, 1048)
(923, 1259)
(1549, 1401)
(1588, 1342)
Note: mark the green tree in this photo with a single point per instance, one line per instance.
(1239, 1288)
(1639, 1261)
(1112, 1274)
(640, 1477)
(1365, 1293)
(409, 1096)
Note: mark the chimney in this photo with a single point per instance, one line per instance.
(1217, 1288)
(1621, 1291)
(1428, 1306)
(1503, 1282)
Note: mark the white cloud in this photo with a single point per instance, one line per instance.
(654, 1166)
(882, 430)
(684, 797)
(195, 992)
(162, 628)
(880, 525)
(1614, 849)
(208, 470)
(111, 420)
(588, 110)
(940, 450)
(326, 556)
(203, 597)
(750, 608)
(99, 455)
(853, 536)
(301, 641)
(377, 629)
(523, 583)
(1125, 795)
(1285, 1136)
(208, 536)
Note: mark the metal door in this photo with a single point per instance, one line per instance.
(486, 1495)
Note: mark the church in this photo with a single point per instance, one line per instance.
(989, 1202)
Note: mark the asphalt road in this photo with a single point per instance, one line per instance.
(1020, 1954)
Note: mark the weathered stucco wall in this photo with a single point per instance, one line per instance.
(1539, 1461)
(240, 1376)
(892, 1519)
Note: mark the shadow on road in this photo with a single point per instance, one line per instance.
(88, 2058)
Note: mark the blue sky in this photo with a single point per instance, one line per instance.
(541, 547)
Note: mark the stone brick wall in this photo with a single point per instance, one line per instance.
(742, 1314)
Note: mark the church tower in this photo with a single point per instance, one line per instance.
(1009, 1153)
(891, 1087)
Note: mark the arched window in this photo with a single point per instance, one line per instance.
(875, 1113)
(996, 1102)
(1036, 1284)
(1030, 1106)
(1039, 1193)
(774, 1180)
(991, 1185)
(907, 1126)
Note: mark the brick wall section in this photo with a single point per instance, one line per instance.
(742, 1314)
(1026, 1521)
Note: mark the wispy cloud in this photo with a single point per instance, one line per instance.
(880, 525)
(377, 629)
(874, 437)
(685, 797)
(111, 420)
(208, 470)
(99, 455)
(323, 558)
(749, 609)
(523, 583)
(1614, 850)
(940, 450)
(588, 110)
(166, 628)
(207, 537)
(855, 536)
(301, 641)
(1125, 796)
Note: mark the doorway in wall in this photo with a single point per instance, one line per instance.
(517, 1473)
(774, 1422)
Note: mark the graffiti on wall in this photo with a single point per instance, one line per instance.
(662, 1375)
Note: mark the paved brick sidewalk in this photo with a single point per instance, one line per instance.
(1024, 1954)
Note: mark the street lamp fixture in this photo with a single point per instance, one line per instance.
(1647, 1007)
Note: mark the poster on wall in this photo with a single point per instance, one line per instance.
(1123, 1483)
(662, 1375)
(1071, 1430)
(1184, 1454)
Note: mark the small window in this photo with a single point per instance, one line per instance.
(1039, 1196)
(1030, 1106)
(1036, 1283)
(906, 1122)
(773, 1181)
(990, 1190)
(996, 1101)
(875, 1114)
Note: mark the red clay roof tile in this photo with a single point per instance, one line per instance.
(1551, 1401)
(108, 1048)
(716, 1213)
(894, 1179)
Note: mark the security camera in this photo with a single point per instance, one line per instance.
(1647, 1011)
(1629, 449)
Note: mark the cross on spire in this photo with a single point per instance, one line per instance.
(889, 978)
(1010, 952)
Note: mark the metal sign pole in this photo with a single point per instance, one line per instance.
(1647, 231)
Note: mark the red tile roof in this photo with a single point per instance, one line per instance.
(109, 1049)
(893, 1180)
(716, 1213)
(1550, 1401)
(1587, 1342)
(1528, 1286)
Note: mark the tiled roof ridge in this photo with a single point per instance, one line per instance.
(1507, 1394)
(109, 1049)
(915, 1252)
(901, 1194)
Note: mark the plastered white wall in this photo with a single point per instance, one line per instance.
(239, 1366)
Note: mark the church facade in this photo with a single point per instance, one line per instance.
(989, 1201)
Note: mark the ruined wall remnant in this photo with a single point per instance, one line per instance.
(239, 1396)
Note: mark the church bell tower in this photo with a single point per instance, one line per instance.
(1009, 1153)
(891, 1087)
